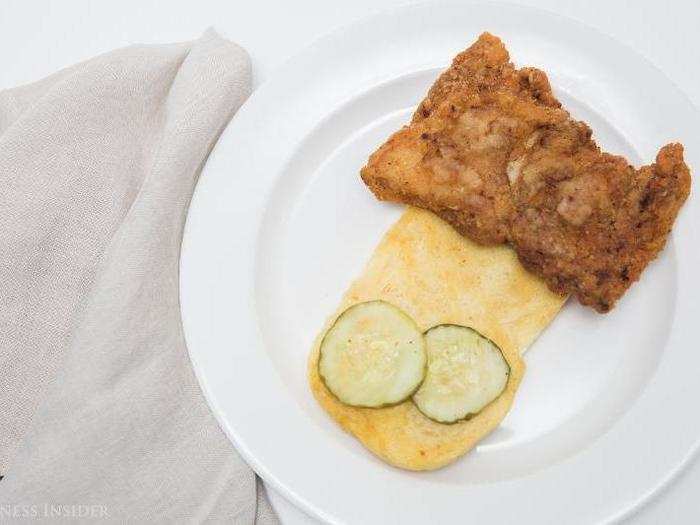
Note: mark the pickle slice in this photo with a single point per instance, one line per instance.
(373, 355)
(466, 372)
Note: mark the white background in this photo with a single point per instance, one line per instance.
(38, 37)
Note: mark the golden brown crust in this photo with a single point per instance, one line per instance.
(590, 224)
(491, 151)
(485, 67)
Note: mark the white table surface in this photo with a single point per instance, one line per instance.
(39, 37)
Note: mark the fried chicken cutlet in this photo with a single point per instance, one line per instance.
(492, 152)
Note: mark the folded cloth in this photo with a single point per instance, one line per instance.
(100, 411)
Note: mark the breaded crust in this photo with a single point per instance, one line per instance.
(491, 151)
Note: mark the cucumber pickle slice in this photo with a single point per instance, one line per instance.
(466, 371)
(373, 355)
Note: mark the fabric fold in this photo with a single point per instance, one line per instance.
(99, 404)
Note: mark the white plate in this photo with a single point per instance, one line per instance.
(281, 223)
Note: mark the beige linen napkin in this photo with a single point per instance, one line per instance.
(98, 402)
